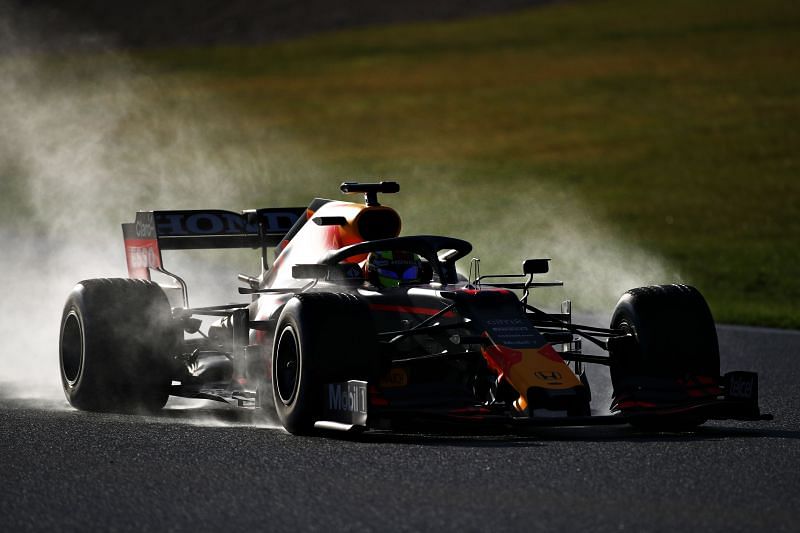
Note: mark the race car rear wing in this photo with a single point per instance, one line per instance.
(154, 231)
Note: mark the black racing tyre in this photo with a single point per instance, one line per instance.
(319, 338)
(675, 338)
(117, 336)
(258, 372)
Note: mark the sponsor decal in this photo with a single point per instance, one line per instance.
(176, 224)
(741, 387)
(145, 226)
(551, 375)
(142, 257)
(514, 332)
(397, 377)
(507, 322)
(350, 397)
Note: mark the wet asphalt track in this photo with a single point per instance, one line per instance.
(207, 469)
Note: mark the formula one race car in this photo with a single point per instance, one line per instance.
(354, 327)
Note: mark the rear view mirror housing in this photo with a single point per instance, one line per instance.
(536, 266)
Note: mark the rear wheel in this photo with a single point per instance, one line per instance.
(320, 338)
(673, 359)
(116, 339)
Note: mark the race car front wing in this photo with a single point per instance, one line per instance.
(347, 407)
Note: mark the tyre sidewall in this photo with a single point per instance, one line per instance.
(299, 413)
(86, 390)
(127, 338)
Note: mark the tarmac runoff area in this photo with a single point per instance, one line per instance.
(211, 468)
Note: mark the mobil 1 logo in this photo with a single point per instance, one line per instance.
(346, 402)
(742, 385)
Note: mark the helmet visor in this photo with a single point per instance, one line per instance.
(393, 277)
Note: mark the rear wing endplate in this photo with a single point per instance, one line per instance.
(154, 231)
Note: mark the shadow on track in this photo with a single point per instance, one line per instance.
(214, 414)
(543, 436)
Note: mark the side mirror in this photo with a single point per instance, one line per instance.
(536, 266)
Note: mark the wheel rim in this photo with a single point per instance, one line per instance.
(287, 366)
(72, 348)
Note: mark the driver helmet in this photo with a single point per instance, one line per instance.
(391, 268)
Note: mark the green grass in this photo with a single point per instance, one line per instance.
(634, 141)
(675, 123)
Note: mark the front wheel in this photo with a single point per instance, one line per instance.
(320, 338)
(673, 359)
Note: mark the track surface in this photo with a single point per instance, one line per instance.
(211, 469)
